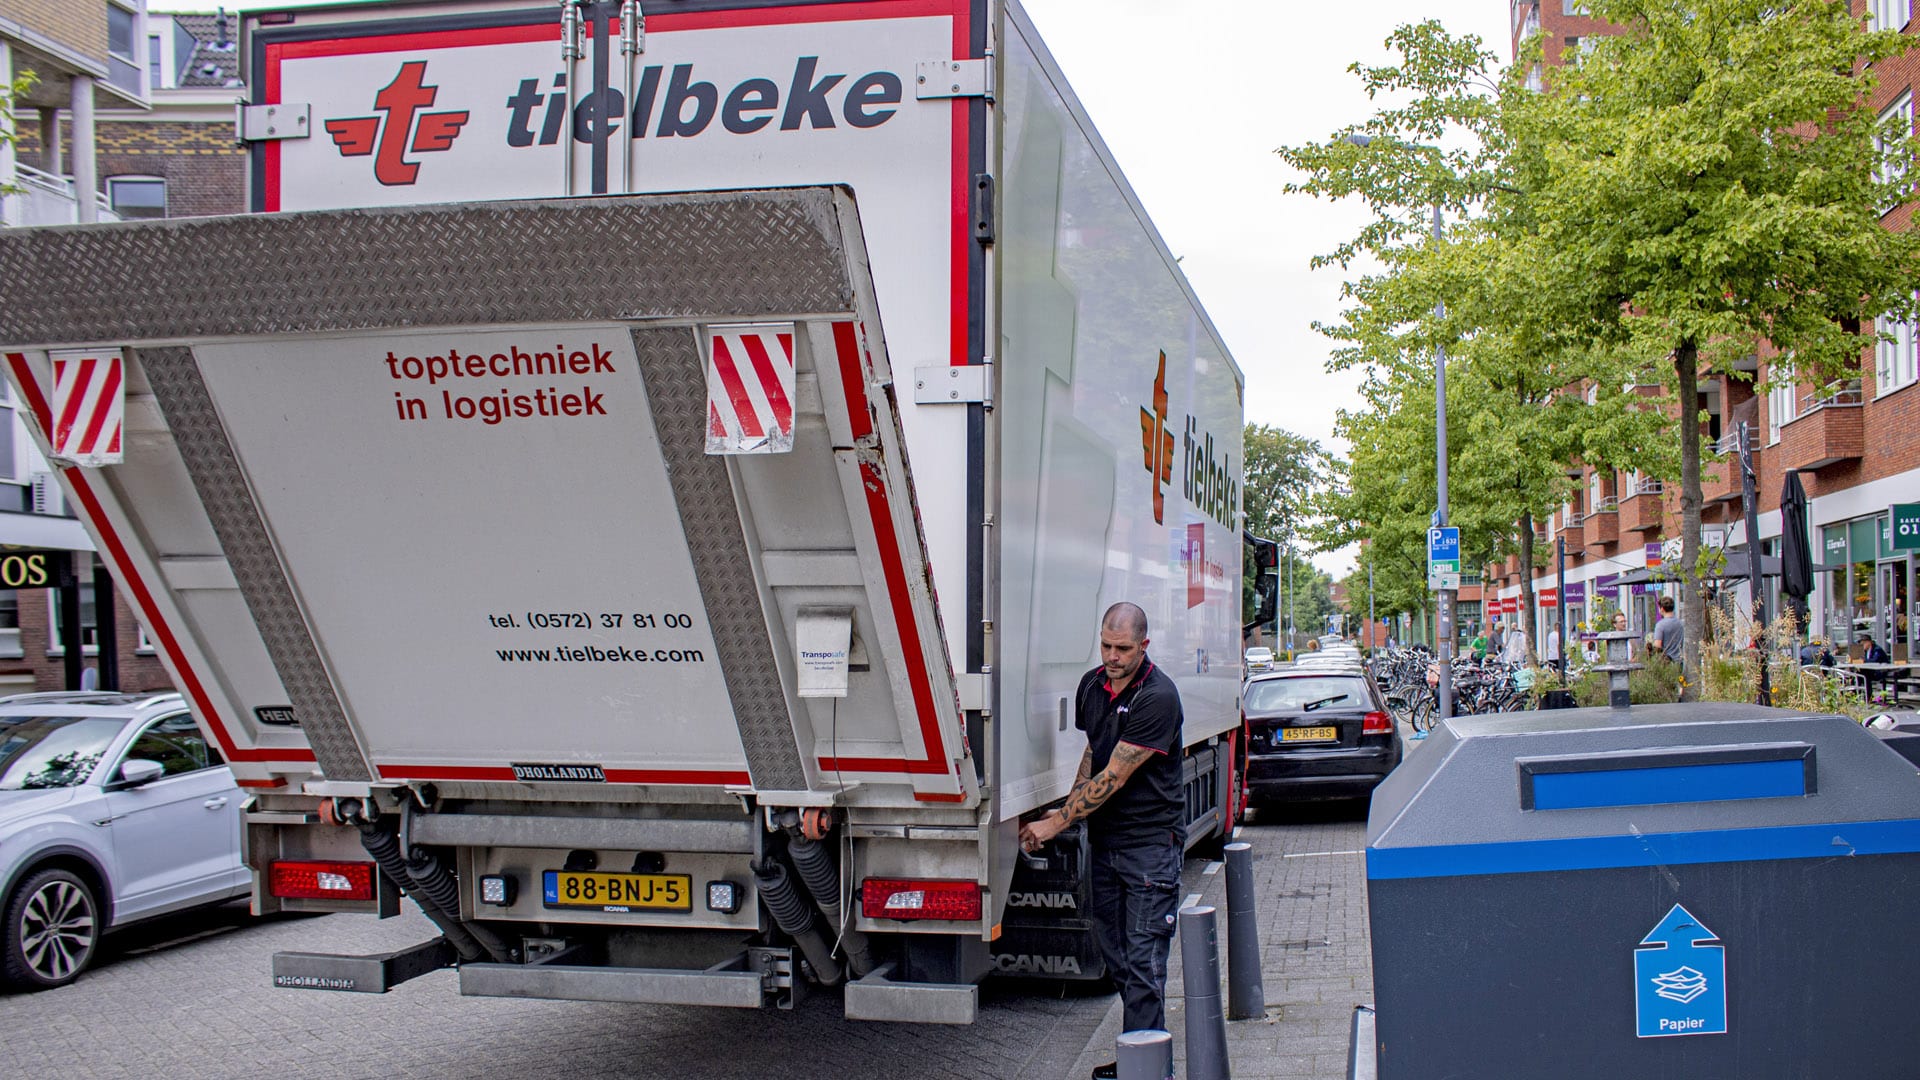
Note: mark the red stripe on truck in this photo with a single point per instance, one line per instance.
(880, 514)
(141, 597)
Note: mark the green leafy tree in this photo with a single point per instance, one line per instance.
(9, 134)
(1284, 472)
(1710, 179)
(1700, 183)
(1512, 426)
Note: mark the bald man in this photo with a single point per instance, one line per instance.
(1129, 793)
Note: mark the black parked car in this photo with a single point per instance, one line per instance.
(1317, 733)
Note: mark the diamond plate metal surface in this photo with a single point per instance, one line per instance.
(744, 254)
(203, 444)
(676, 384)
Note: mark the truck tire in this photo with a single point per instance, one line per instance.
(52, 930)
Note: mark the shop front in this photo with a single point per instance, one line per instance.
(1868, 587)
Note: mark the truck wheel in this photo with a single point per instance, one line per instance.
(52, 930)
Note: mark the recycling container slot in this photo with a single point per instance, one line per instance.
(1668, 775)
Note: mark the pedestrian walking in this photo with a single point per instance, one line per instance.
(1478, 645)
(1130, 793)
(1515, 651)
(1551, 655)
(1669, 636)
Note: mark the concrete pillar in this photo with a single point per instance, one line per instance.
(50, 139)
(8, 203)
(86, 182)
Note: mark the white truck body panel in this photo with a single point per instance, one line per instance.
(513, 610)
(435, 586)
(906, 167)
(1103, 352)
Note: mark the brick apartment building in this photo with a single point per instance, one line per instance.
(138, 108)
(1856, 444)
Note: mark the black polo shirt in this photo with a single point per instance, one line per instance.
(1147, 714)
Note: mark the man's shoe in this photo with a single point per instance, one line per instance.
(1109, 1071)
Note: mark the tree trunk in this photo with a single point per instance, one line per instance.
(1693, 608)
(1526, 582)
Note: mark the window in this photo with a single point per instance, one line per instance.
(126, 68)
(137, 196)
(7, 430)
(89, 628)
(1574, 7)
(1896, 361)
(1285, 695)
(1890, 14)
(176, 743)
(10, 624)
(1630, 483)
(1533, 79)
(1781, 406)
(1596, 491)
(156, 79)
(119, 32)
(1783, 398)
(1896, 123)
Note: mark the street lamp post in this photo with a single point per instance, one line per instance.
(1444, 647)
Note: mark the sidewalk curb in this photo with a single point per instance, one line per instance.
(1100, 1045)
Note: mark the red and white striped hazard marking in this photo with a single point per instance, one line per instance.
(89, 406)
(750, 389)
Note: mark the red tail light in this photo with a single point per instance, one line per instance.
(919, 898)
(321, 880)
(1376, 723)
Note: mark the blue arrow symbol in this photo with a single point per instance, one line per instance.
(1680, 971)
(1679, 928)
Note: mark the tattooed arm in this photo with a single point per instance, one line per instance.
(1089, 793)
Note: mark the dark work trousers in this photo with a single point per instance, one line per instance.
(1136, 900)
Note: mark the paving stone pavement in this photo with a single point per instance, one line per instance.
(1315, 961)
(190, 997)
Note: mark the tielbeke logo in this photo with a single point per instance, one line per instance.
(1207, 478)
(390, 137)
(1157, 442)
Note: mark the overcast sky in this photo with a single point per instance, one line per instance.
(1193, 96)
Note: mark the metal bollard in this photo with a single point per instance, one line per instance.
(1145, 1055)
(1246, 997)
(1200, 974)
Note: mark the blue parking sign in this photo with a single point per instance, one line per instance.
(1443, 544)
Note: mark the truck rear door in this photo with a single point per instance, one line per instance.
(530, 495)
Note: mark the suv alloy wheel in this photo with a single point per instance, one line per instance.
(52, 929)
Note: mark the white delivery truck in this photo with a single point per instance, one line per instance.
(646, 482)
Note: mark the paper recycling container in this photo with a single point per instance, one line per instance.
(1690, 891)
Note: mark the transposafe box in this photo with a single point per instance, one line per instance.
(1683, 891)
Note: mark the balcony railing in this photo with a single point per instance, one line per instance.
(1840, 394)
(47, 199)
(1644, 487)
(1730, 442)
(1608, 505)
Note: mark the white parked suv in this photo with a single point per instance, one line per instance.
(113, 808)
